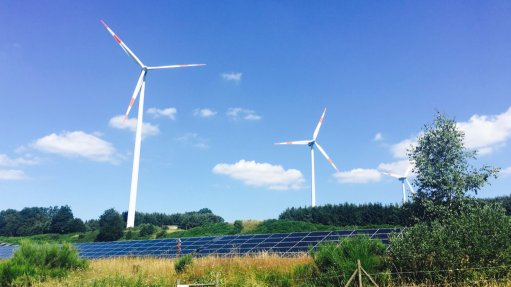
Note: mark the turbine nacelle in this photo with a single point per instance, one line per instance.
(404, 181)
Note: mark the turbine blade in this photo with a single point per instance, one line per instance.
(391, 174)
(326, 156)
(135, 93)
(316, 131)
(123, 46)
(295, 142)
(175, 66)
(410, 186)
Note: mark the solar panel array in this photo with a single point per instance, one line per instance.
(229, 245)
(6, 251)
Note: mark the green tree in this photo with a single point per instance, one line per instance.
(458, 238)
(445, 177)
(474, 245)
(111, 226)
(62, 219)
(9, 222)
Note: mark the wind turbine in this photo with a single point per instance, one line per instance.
(139, 89)
(403, 179)
(312, 143)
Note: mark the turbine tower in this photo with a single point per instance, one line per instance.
(139, 89)
(313, 143)
(403, 179)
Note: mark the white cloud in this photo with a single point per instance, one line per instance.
(12, 174)
(358, 175)
(400, 149)
(482, 132)
(235, 77)
(194, 140)
(131, 124)
(204, 113)
(262, 174)
(487, 133)
(506, 171)
(77, 144)
(166, 113)
(397, 167)
(240, 113)
(378, 137)
(5, 160)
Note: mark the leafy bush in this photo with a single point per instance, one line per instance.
(334, 263)
(146, 229)
(111, 226)
(183, 262)
(473, 245)
(37, 262)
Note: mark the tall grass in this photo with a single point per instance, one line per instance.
(261, 270)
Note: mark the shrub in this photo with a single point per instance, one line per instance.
(473, 245)
(183, 262)
(334, 263)
(146, 229)
(37, 262)
(111, 226)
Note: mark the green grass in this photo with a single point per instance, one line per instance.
(54, 238)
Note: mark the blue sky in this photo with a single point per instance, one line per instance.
(382, 69)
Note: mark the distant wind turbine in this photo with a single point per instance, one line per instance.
(312, 143)
(403, 179)
(139, 89)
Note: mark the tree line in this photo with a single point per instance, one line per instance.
(39, 220)
(42, 220)
(348, 214)
(185, 220)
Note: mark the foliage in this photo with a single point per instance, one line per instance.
(334, 263)
(238, 226)
(146, 229)
(53, 238)
(444, 176)
(37, 262)
(505, 201)
(474, 245)
(111, 226)
(185, 220)
(61, 221)
(182, 263)
(39, 220)
(92, 225)
(348, 214)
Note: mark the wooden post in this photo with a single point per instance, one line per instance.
(359, 267)
(359, 270)
(216, 280)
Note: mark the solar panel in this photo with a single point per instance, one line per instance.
(227, 245)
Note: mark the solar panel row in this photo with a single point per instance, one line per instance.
(229, 245)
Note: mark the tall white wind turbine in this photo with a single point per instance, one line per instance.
(139, 89)
(312, 143)
(403, 179)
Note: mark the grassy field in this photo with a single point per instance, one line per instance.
(261, 270)
(257, 271)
